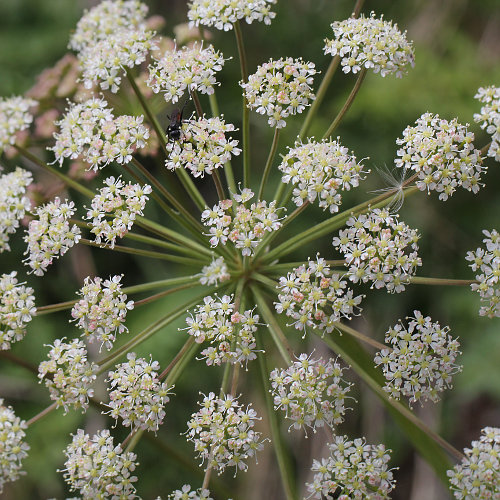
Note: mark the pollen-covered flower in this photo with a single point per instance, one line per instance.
(222, 433)
(379, 248)
(370, 43)
(17, 308)
(420, 361)
(222, 14)
(319, 170)
(314, 296)
(441, 152)
(13, 449)
(478, 475)
(114, 209)
(90, 131)
(311, 392)
(489, 117)
(14, 117)
(354, 469)
(202, 147)
(97, 468)
(191, 68)
(50, 235)
(137, 396)
(68, 374)
(487, 262)
(243, 226)
(230, 333)
(102, 310)
(280, 88)
(215, 271)
(187, 494)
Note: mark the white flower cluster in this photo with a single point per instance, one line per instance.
(313, 296)
(441, 152)
(90, 131)
(354, 469)
(13, 449)
(187, 494)
(487, 261)
(230, 332)
(215, 271)
(114, 209)
(110, 38)
(311, 392)
(245, 227)
(13, 203)
(489, 117)
(280, 88)
(421, 360)
(370, 43)
(222, 14)
(478, 475)
(137, 395)
(222, 433)
(203, 146)
(17, 308)
(14, 117)
(186, 68)
(96, 468)
(379, 248)
(51, 235)
(69, 374)
(102, 310)
(318, 170)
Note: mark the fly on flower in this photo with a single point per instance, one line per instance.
(174, 130)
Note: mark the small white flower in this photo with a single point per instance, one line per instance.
(14, 117)
(215, 271)
(489, 117)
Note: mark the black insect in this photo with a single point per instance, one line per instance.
(174, 130)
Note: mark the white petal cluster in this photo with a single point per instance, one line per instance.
(354, 469)
(489, 117)
(370, 43)
(50, 235)
(68, 374)
(230, 333)
(380, 248)
(441, 152)
(420, 361)
(222, 433)
(280, 88)
(13, 449)
(114, 209)
(137, 396)
(314, 296)
(215, 271)
(17, 308)
(478, 475)
(187, 494)
(90, 131)
(243, 226)
(191, 68)
(319, 170)
(222, 14)
(102, 310)
(203, 146)
(311, 392)
(110, 38)
(14, 117)
(487, 262)
(96, 468)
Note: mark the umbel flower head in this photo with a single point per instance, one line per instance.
(442, 154)
(421, 359)
(14, 117)
(280, 88)
(187, 494)
(354, 469)
(487, 262)
(379, 248)
(17, 308)
(319, 170)
(311, 392)
(489, 117)
(68, 374)
(370, 43)
(478, 475)
(214, 272)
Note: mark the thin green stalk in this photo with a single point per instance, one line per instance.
(197, 103)
(364, 338)
(181, 364)
(280, 191)
(19, 361)
(270, 158)
(218, 185)
(160, 295)
(214, 105)
(485, 149)
(189, 342)
(285, 266)
(357, 8)
(420, 280)
(42, 414)
(191, 188)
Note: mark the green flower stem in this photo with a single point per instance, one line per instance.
(189, 342)
(131, 441)
(19, 361)
(270, 158)
(197, 103)
(357, 8)
(484, 149)
(420, 280)
(160, 295)
(285, 266)
(191, 188)
(278, 194)
(42, 414)
(347, 104)
(364, 338)
(214, 105)
(218, 185)
(181, 364)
